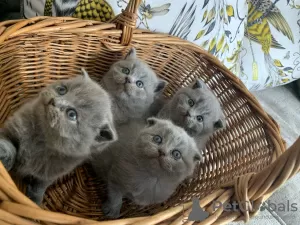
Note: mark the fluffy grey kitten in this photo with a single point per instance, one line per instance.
(55, 132)
(197, 110)
(146, 164)
(133, 86)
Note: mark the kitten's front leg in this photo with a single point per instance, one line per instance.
(36, 189)
(112, 206)
(8, 151)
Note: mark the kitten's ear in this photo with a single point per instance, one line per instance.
(85, 74)
(151, 121)
(221, 123)
(199, 84)
(107, 133)
(161, 85)
(131, 54)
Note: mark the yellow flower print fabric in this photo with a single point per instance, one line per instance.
(258, 40)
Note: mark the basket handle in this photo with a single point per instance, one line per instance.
(126, 21)
(256, 188)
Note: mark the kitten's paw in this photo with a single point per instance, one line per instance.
(110, 211)
(36, 199)
(7, 154)
(34, 193)
(7, 162)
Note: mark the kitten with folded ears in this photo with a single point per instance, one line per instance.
(133, 86)
(146, 164)
(55, 132)
(197, 110)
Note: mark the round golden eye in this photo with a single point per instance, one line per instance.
(176, 154)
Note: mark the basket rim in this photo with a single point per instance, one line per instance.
(18, 28)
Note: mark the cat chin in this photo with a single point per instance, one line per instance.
(127, 93)
(123, 94)
(192, 132)
(165, 165)
(159, 165)
(190, 126)
(128, 89)
(188, 122)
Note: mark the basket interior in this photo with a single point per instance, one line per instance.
(30, 62)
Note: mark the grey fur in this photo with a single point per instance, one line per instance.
(64, 7)
(157, 105)
(129, 100)
(206, 105)
(137, 168)
(40, 142)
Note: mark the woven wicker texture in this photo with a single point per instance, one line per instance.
(38, 51)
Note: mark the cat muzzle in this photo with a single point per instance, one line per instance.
(128, 88)
(127, 80)
(165, 165)
(52, 102)
(161, 153)
(189, 122)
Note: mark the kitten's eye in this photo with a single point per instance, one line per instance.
(62, 90)
(125, 71)
(191, 102)
(72, 114)
(176, 154)
(200, 118)
(140, 84)
(157, 139)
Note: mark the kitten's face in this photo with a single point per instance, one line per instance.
(72, 108)
(132, 79)
(197, 110)
(168, 148)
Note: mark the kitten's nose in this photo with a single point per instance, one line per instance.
(52, 102)
(127, 80)
(161, 153)
(188, 114)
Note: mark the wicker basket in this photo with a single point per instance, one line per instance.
(242, 163)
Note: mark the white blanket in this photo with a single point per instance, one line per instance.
(284, 106)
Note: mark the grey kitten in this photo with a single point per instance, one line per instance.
(146, 164)
(133, 86)
(53, 133)
(197, 110)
